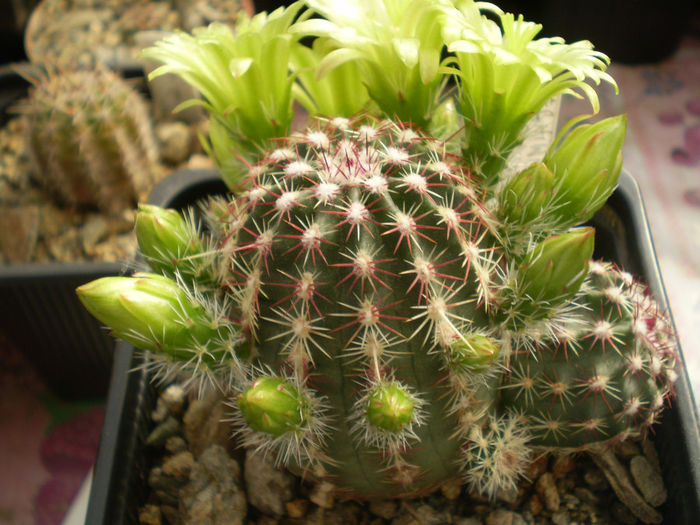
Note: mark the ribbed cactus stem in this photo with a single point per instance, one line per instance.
(605, 377)
(90, 138)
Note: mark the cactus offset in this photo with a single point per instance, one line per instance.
(90, 138)
(608, 374)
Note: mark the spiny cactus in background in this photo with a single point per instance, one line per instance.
(377, 327)
(90, 138)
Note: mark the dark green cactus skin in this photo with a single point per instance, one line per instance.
(607, 379)
(356, 253)
(90, 138)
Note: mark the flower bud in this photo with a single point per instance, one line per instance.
(472, 353)
(586, 167)
(390, 407)
(167, 240)
(151, 312)
(274, 406)
(554, 269)
(526, 195)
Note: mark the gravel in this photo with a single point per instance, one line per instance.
(563, 490)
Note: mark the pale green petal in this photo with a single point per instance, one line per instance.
(407, 49)
(239, 66)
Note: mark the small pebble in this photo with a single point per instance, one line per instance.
(386, 509)
(504, 517)
(178, 467)
(563, 464)
(297, 508)
(535, 504)
(468, 521)
(595, 479)
(547, 490)
(150, 515)
(175, 444)
(159, 435)
(268, 487)
(322, 495)
(648, 481)
(586, 495)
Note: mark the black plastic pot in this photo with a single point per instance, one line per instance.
(41, 314)
(622, 234)
(39, 310)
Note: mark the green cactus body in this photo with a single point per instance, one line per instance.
(607, 376)
(378, 328)
(90, 138)
(351, 273)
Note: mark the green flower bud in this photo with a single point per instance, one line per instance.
(168, 241)
(586, 167)
(527, 195)
(274, 406)
(554, 269)
(151, 312)
(472, 353)
(390, 407)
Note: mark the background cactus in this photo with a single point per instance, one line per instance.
(373, 327)
(90, 138)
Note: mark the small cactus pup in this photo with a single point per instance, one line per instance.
(90, 138)
(625, 359)
(373, 328)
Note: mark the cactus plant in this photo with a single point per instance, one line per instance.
(386, 314)
(90, 138)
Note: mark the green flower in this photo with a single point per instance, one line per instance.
(243, 76)
(507, 75)
(339, 92)
(397, 47)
